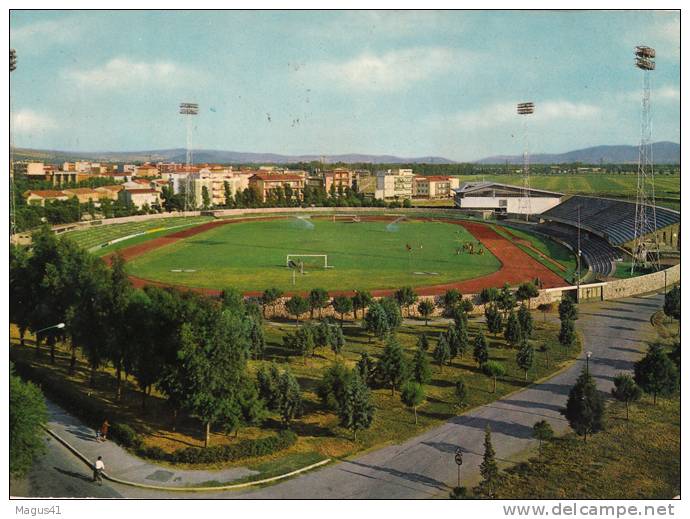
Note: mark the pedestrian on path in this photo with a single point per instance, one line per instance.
(98, 469)
(102, 434)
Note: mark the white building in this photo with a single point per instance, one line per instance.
(394, 183)
(504, 198)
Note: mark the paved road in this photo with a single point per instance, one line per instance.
(423, 467)
(59, 474)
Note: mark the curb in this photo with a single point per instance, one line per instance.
(186, 489)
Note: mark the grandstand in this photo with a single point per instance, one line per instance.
(608, 229)
(613, 220)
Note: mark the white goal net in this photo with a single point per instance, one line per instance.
(307, 261)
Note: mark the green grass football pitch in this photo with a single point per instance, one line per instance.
(365, 255)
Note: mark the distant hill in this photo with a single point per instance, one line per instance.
(216, 156)
(663, 153)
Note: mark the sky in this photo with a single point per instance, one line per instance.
(406, 83)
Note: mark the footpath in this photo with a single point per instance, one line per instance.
(125, 468)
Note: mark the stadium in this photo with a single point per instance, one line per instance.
(431, 250)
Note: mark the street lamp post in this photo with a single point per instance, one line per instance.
(38, 332)
(458, 461)
(588, 355)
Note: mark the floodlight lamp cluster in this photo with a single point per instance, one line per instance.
(13, 59)
(644, 57)
(525, 108)
(189, 108)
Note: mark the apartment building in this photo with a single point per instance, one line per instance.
(264, 183)
(394, 183)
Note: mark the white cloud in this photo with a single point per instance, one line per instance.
(45, 33)
(27, 122)
(122, 72)
(667, 93)
(394, 70)
(546, 111)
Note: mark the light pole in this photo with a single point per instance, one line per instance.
(59, 326)
(588, 355)
(458, 461)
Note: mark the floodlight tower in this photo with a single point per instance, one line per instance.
(645, 244)
(188, 110)
(525, 203)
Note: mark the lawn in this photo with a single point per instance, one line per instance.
(319, 433)
(365, 255)
(667, 187)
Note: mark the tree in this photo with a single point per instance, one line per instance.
(543, 432)
(365, 368)
(488, 467)
(672, 303)
(488, 295)
(423, 342)
(625, 390)
(461, 392)
(494, 319)
(585, 407)
(655, 373)
(392, 365)
(545, 308)
(331, 388)
(459, 339)
(318, 299)
(360, 301)
(337, 341)
(28, 415)
(342, 305)
(442, 351)
(513, 332)
(567, 336)
(269, 298)
(567, 311)
(412, 395)
(481, 349)
(289, 403)
(525, 357)
(376, 321)
(466, 306)
(301, 341)
(119, 349)
(267, 383)
(493, 369)
(392, 311)
(406, 297)
(421, 372)
(425, 309)
(257, 340)
(506, 299)
(213, 358)
(545, 348)
(526, 322)
(450, 300)
(297, 306)
(357, 410)
(205, 197)
(526, 291)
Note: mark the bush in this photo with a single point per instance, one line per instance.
(236, 451)
(125, 435)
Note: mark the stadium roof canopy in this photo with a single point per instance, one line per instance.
(610, 218)
(471, 187)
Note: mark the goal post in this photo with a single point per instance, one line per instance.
(349, 218)
(307, 260)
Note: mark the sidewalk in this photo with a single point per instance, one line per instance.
(122, 465)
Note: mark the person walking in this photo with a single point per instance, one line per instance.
(98, 469)
(103, 433)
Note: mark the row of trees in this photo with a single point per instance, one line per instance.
(192, 349)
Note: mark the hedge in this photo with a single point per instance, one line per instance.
(91, 413)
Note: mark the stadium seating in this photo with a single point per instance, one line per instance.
(613, 220)
(597, 253)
